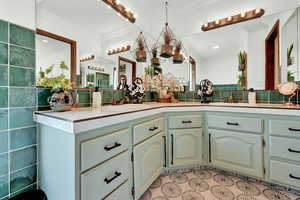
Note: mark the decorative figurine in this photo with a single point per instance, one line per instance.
(123, 84)
(137, 90)
(206, 90)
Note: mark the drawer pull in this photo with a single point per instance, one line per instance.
(187, 122)
(112, 147)
(232, 124)
(153, 129)
(108, 181)
(293, 129)
(293, 151)
(294, 177)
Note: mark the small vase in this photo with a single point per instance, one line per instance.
(61, 101)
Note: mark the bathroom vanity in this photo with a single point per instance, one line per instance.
(86, 154)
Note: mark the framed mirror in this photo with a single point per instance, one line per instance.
(126, 70)
(56, 60)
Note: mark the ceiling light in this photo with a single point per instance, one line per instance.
(118, 50)
(245, 16)
(45, 41)
(216, 47)
(121, 10)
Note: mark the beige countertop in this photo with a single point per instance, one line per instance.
(84, 114)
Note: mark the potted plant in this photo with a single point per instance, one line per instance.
(290, 59)
(167, 48)
(242, 81)
(155, 60)
(178, 57)
(290, 76)
(141, 53)
(242, 61)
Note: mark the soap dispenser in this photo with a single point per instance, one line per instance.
(252, 96)
(97, 98)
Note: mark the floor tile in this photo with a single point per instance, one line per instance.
(22, 36)
(210, 185)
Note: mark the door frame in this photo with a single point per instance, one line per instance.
(270, 56)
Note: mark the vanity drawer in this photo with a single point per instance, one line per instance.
(285, 148)
(147, 129)
(185, 121)
(286, 128)
(123, 192)
(285, 173)
(102, 180)
(97, 150)
(236, 123)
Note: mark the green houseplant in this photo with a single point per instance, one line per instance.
(242, 81)
(242, 60)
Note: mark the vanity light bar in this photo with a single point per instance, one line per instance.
(96, 68)
(121, 10)
(118, 50)
(245, 16)
(87, 58)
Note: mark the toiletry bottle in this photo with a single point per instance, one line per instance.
(252, 96)
(97, 98)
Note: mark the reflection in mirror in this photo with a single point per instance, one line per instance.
(56, 60)
(249, 54)
(126, 71)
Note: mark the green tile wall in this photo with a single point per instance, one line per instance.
(18, 143)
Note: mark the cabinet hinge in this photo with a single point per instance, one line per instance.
(264, 142)
(133, 191)
(131, 157)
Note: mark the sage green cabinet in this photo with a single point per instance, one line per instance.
(148, 163)
(237, 151)
(185, 147)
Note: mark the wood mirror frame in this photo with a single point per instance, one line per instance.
(73, 50)
(133, 68)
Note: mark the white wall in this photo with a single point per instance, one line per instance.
(221, 70)
(21, 12)
(256, 59)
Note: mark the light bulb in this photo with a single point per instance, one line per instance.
(257, 10)
(229, 18)
(135, 16)
(206, 25)
(243, 14)
(217, 21)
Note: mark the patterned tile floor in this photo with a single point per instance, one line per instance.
(209, 185)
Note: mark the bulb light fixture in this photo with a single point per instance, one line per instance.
(121, 10)
(118, 50)
(87, 58)
(245, 16)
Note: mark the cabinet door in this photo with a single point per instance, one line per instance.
(148, 163)
(185, 147)
(237, 151)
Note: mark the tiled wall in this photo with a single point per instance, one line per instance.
(262, 96)
(18, 142)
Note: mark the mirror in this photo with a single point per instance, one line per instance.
(251, 54)
(56, 59)
(232, 57)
